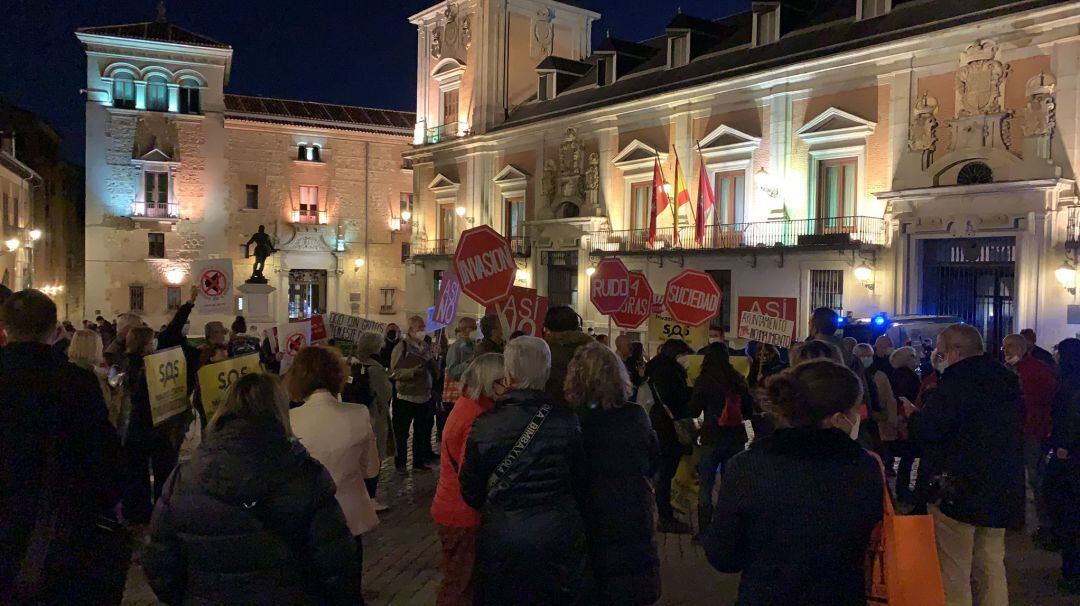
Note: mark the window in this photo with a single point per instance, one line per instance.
(602, 71)
(307, 293)
(251, 196)
(135, 298)
(837, 187)
(189, 97)
(405, 206)
(543, 92)
(157, 94)
(766, 31)
(301, 152)
(640, 194)
(172, 297)
(450, 112)
(308, 153)
(156, 194)
(309, 204)
(387, 304)
(436, 283)
(157, 245)
(515, 217)
(124, 91)
(873, 8)
(827, 289)
(446, 222)
(406, 251)
(679, 50)
(7, 210)
(314, 153)
(730, 194)
(15, 219)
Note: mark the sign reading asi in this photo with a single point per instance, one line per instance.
(768, 319)
(447, 301)
(523, 310)
(484, 264)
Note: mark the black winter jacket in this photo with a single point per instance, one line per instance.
(530, 548)
(563, 346)
(710, 397)
(250, 519)
(973, 423)
(41, 393)
(794, 515)
(621, 457)
(668, 378)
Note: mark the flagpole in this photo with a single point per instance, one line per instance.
(693, 215)
(673, 205)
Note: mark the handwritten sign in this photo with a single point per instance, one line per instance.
(216, 379)
(768, 319)
(166, 380)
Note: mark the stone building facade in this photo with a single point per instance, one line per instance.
(922, 161)
(178, 170)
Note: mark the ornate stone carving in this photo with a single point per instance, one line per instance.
(466, 31)
(451, 29)
(1039, 111)
(922, 132)
(543, 32)
(452, 34)
(980, 80)
(592, 174)
(548, 182)
(569, 183)
(436, 42)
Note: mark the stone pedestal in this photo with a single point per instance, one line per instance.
(257, 307)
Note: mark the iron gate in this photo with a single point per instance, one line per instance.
(973, 278)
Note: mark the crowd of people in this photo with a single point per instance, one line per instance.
(557, 460)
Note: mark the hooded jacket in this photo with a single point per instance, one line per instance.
(250, 519)
(563, 345)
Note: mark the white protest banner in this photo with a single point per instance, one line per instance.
(768, 319)
(349, 328)
(293, 337)
(166, 380)
(214, 279)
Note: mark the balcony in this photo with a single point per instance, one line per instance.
(520, 246)
(833, 232)
(434, 248)
(155, 211)
(1072, 228)
(441, 133)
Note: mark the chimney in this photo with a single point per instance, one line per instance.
(7, 142)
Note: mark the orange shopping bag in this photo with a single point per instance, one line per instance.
(902, 567)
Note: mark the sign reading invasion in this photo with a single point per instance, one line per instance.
(484, 264)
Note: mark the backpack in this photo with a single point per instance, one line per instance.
(358, 390)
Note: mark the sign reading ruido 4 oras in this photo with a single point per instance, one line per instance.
(638, 305)
(484, 264)
(692, 297)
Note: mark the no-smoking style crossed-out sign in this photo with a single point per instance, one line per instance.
(295, 343)
(215, 281)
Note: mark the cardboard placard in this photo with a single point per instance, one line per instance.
(662, 328)
(166, 380)
(343, 327)
(292, 337)
(214, 279)
(216, 379)
(768, 319)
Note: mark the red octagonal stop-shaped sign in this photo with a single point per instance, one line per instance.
(638, 305)
(484, 264)
(609, 285)
(692, 297)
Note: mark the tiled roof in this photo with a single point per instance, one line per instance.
(308, 113)
(153, 30)
(564, 65)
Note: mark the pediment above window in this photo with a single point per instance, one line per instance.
(443, 187)
(834, 126)
(155, 158)
(725, 142)
(511, 177)
(448, 69)
(637, 156)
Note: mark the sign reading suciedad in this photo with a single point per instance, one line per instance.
(692, 297)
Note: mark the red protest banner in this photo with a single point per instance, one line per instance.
(523, 310)
(447, 301)
(768, 319)
(609, 285)
(692, 297)
(318, 329)
(484, 264)
(638, 305)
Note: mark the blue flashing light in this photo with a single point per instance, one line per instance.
(841, 321)
(879, 320)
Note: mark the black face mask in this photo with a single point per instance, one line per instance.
(392, 336)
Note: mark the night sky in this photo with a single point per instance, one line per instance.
(360, 52)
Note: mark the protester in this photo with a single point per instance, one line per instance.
(621, 456)
(671, 397)
(240, 343)
(371, 387)
(623, 346)
(906, 455)
(114, 351)
(1062, 482)
(336, 434)
(824, 323)
(814, 350)
(530, 548)
(795, 512)
(252, 516)
(721, 394)
(905, 381)
(635, 366)
(881, 405)
(174, 335)
(1037, 352)
(392, 338)
(883, 350)
(1038, 384)
(461, 353)
(59, 465)
(973, 421)
(492, 336)
(412, 365)
(766, 363)
(562, 331)
(456, 521)
(86, 352)
(146, 445)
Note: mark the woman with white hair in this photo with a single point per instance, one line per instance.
(523, 470)
(455, 520)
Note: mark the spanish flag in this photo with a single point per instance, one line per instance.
(682, 194)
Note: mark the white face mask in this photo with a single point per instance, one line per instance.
(853, 432)
(684, 361)
(940, 366)
(867, 361)
(716, 340)
(153, 345)
(1012, 360)
(419, 335)
(476, 335)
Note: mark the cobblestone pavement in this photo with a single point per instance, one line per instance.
(401, 559)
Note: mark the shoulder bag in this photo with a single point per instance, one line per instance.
(498, 480)
(686, 430)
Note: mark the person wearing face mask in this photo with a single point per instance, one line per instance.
(795, 512)
(907, 455)
(490, 335)
(1038, 383)
(413, 367)
(458, 356)
(671, 395)
(880, 403)
(391, 338)
(883, 349)
(972, 422)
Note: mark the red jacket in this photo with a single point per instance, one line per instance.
(1038, 383)
(448, 508)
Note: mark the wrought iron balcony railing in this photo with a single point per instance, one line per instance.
(433, 248)
(834, 231)
(443, 132)
(1072, 228)
(520, 246)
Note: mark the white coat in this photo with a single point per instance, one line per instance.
(340, 437)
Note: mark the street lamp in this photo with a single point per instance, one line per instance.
(35, 235)
(460, 211)
(406, 215)
(865, 275)
(589, 271)
(358, 263)
(1066, 275)
(12, 244)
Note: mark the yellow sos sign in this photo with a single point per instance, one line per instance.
(166, 380)
(662, 328)
(216, 379)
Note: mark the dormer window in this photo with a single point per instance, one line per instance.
(308, 153)
(766, 23)
(544, 88)
(605, 71)
(869, 9)
(678, 50)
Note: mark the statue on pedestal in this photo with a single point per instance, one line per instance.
(264, 247)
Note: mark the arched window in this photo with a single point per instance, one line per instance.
(124, 91)
(157, 94)
(189, 96)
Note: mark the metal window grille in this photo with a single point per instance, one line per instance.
(827, 289)
(135, 298)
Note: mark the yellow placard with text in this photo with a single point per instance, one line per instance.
(166, 380)
(215, 379)
(662, 328)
